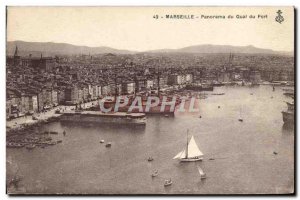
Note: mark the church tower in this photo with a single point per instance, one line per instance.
(17, 58)
(16, 52)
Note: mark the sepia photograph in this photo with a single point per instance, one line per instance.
(150, 100)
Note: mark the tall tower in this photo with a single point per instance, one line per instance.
(17, 58)
(16, 52)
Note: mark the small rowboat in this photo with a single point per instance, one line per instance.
(150, 159)
(168, 182)
(155, 173)
(202, 174)
(31, 146)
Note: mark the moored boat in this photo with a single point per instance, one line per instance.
(120, 118)
(289, 94)
(199, 87)
(160, 108)
(14, 145)
(288, 116)
(218, 93)
(30, 146)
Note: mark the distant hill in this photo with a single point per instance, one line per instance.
(52, 49)
(208, 49)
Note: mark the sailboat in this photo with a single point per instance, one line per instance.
(202, 174)
(190, 153)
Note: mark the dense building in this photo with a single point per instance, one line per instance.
(255, 77)
(39, 83)
(71, 95)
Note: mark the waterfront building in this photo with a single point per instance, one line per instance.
(149, 84)
(99, 90)
(40, 100)
(71, 95)
(95, 92)
(105, 90)
(223, 76)
(85, 91)
(244, 73)
(189, 78)
(255, 76)
(24, 104)
(283, 76)
(172, 79)
(14, 102)
(128, 87)
(181, 79)
(140, 84)
(61, 96)
(90, 90)
(80, 95)
(34, 103)
(54, 98)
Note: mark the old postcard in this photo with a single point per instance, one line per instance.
(150, 100)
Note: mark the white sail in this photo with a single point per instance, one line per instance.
(201, 171)
(181, 154)
(193, 149)
(178, 155)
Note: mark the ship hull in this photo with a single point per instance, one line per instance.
(103, 119)
(289, 94)
(199, 88)
(288, 117)
(218, 84)
(191, 159)
(152, 110)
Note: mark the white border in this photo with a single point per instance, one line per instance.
(4, 3)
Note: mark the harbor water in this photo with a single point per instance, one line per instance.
(255, 156)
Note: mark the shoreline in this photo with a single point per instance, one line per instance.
(25, 122)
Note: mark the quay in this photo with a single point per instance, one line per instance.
(120, 118)
(42, 117)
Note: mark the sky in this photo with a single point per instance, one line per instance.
(134, 28)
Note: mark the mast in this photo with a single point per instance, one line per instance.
(240, 112)
(116, 89)
(158, 87)
(187, 143)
